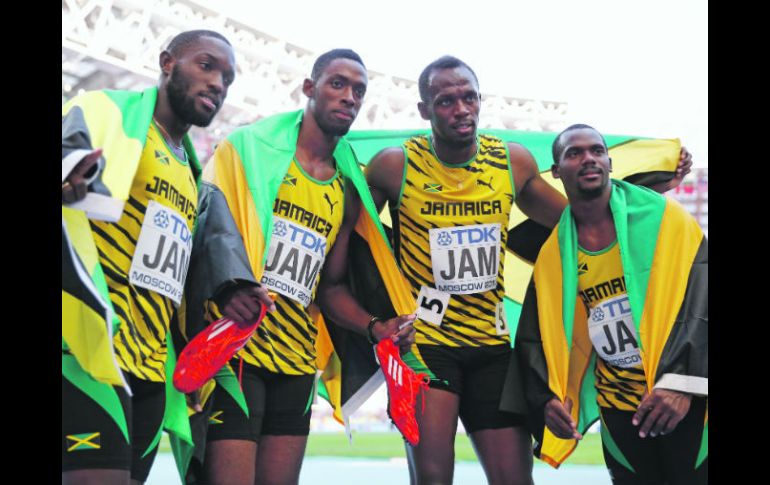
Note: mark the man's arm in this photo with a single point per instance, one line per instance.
(385, 174)
(334, 296)
(682, 169)
(534, 196)
(544, 204)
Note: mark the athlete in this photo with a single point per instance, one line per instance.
(635, 351)
(137, 153)
(281, 199)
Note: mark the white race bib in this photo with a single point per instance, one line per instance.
(465, 259)
(612, 332)
(501, 323)
(431, 305)
(162, 252)
(295, 258)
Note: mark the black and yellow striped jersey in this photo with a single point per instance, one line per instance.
(450, 230)
(166, 184)
(619, 373)
(307, 215)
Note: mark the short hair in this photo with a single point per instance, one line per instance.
(326, 58)
(443, 62)
(558, 147)
(185, 39)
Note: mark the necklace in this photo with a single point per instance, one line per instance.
(167, 136)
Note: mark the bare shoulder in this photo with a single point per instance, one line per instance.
(521, 158)
(385, 172)
(523, 165)
(388, 161)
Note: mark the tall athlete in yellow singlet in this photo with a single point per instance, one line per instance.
(313, 214)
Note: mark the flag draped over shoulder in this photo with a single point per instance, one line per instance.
(117, 122)
(665, 263)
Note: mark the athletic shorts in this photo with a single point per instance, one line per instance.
(477, 375)
(92, 440)
(279, 405)
(669, 458)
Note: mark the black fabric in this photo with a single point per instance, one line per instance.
(367, 287)
(477, 375)
(218, 257)
(689, 335)
(526, 239)
(648, 179)
(144, 415)
(276, 402)
(661, 460)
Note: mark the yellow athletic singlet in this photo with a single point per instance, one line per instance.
(619, 373)
(450, 229)
(306, 219)
(145, 256)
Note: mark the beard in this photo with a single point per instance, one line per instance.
(183, 105)
(329, 128)
(594, 192)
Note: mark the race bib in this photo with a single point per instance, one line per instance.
(295, 258)
(501, 323)
(431, 305)
(612, 332)
(162, 252)
(465, 259)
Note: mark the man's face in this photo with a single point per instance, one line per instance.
(452, 106)
(336, 96)
(585, 165)
(199, 80)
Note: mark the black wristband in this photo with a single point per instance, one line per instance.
(369, 327)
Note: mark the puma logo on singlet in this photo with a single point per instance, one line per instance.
(331, 205)
(487, 184)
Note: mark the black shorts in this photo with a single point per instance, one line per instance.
(667, 458)
(477, 375)
(279, 405)
(92, 440)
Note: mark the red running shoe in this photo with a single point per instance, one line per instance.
(210, 350)
(404, 385)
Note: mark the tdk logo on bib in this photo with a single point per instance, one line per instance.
(295, 258)
(301, 236)
(465, 259)
(469, 235)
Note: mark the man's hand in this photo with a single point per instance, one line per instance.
(660, 411)
(242, 305)
(75, 187)
(399, 329)
(559, 420)
(682, 169)
(194, 400)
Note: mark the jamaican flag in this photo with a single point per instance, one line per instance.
(665, 263)
(637, 160)
(117, 122)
